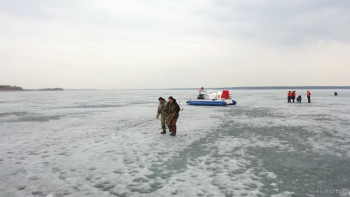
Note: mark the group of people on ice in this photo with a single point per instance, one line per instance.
(291, 95)
(168, 111)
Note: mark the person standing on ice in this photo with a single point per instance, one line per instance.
(162, 113)
(289, 96)
(172, 110)
(308, 95)
(294, 94)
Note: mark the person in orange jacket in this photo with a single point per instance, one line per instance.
(308, 94)
(289, 96)
(294, 94)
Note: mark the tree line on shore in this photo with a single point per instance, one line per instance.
(17, 88)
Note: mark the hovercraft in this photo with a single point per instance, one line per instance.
(213, 99)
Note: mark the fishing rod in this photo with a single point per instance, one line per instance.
(169, 120)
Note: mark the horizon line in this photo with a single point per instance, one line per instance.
(223, 87)
(238, 87)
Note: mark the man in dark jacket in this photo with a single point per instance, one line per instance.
(299, 99)
(172, 111)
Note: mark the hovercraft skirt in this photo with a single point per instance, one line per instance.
(206, 103)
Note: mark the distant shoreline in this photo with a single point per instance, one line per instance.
(8, 88)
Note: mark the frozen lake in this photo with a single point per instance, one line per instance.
(108, 143)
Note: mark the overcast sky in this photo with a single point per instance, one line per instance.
(174, 43)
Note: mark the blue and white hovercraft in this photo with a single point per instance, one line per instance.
(204, 98)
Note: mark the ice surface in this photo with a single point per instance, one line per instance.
(108, 143)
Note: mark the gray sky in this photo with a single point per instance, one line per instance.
(168, 44)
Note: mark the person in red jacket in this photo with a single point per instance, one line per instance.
(308, 94)
(289, 96)
(294, 94)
